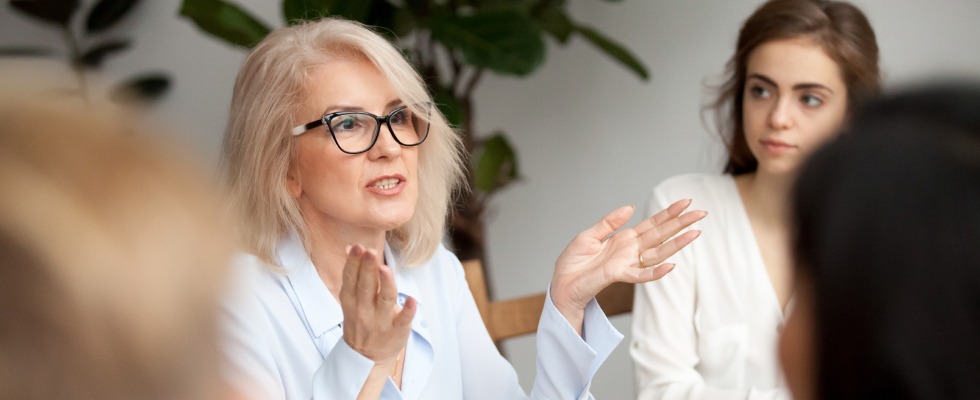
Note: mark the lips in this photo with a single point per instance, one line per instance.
(388, 185)
(776, 146)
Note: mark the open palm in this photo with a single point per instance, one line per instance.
(594, 259)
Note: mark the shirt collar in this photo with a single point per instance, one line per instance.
(320, 309)
(403, 279)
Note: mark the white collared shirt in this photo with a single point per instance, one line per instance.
(284, 338)
(708, 330)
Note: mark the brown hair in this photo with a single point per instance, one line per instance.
(840, 28)
(112, 250)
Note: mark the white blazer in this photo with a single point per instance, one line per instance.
(708, 330)
(284, 338)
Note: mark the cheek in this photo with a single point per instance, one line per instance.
(754, 115)
(410, 158)
(324, 173)
(824, 127)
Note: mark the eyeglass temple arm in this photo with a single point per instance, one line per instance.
(305, 127)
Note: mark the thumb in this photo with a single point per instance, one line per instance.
(405, 316)
(610, 223)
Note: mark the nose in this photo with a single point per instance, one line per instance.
(780, 118)
(386, 147)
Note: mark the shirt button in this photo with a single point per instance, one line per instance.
(425, 324)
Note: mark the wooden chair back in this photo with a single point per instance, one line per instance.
(515, 317)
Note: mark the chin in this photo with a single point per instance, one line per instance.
(393, 220)
(780, 166)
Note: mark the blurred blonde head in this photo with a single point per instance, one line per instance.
(111, 254)
(258, 145)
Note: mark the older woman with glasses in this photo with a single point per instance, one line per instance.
(346, 291)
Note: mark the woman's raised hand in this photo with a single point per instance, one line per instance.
(594, 259)
(374, 325)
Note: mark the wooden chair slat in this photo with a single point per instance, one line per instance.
(515, 317)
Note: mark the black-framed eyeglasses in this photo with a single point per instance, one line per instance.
(355, 132)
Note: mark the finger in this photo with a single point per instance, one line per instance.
(388, 293)
(635, 275)
(351, 267)
(367, 279)
(660, 253)
(663, 216)
(405, 316)
(610, 223)
(659, 234)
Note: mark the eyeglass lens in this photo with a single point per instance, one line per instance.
(356, 132)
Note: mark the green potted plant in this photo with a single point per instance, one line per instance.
(86, 47)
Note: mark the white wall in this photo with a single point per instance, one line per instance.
(591, 137)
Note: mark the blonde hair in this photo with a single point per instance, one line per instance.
(258, 145)
(112, 251)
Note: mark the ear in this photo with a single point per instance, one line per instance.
(294, 183)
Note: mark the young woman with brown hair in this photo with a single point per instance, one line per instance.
(709, 330)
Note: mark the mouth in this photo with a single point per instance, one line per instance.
(387, 185)
(776, 146)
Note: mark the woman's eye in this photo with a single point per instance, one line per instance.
(399, 118)
(347, 123)
(760, 92)
(810, 100)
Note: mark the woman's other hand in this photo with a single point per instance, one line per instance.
(590, 263)
(374, 325)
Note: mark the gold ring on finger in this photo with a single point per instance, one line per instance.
(641, 259)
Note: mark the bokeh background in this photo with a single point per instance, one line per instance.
(590, 136)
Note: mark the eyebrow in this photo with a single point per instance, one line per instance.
(341, 107)
(798, 86)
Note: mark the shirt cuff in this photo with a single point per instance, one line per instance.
(567, 361)
(342, 374)
(598, 333)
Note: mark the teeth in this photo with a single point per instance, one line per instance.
(387, 183)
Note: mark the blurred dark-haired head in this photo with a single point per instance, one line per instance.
(888, 254)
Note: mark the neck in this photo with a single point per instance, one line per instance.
(329, 240)
(767, 196)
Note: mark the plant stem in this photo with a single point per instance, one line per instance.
(74, 54)
(419, 60)
(457, 74)
(468, 92)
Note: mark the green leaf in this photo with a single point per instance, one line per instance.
(93, 57)
(225, 21)
(355, 10)
(450, 107)
(106, 13)
(503, 41)
(403, 21)
(497, 164)
(299, 11)
(551, 18)
(383, 15)
(615, 50)
(24, 52)
(377, 13)
(141, 89)
(54, 11)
